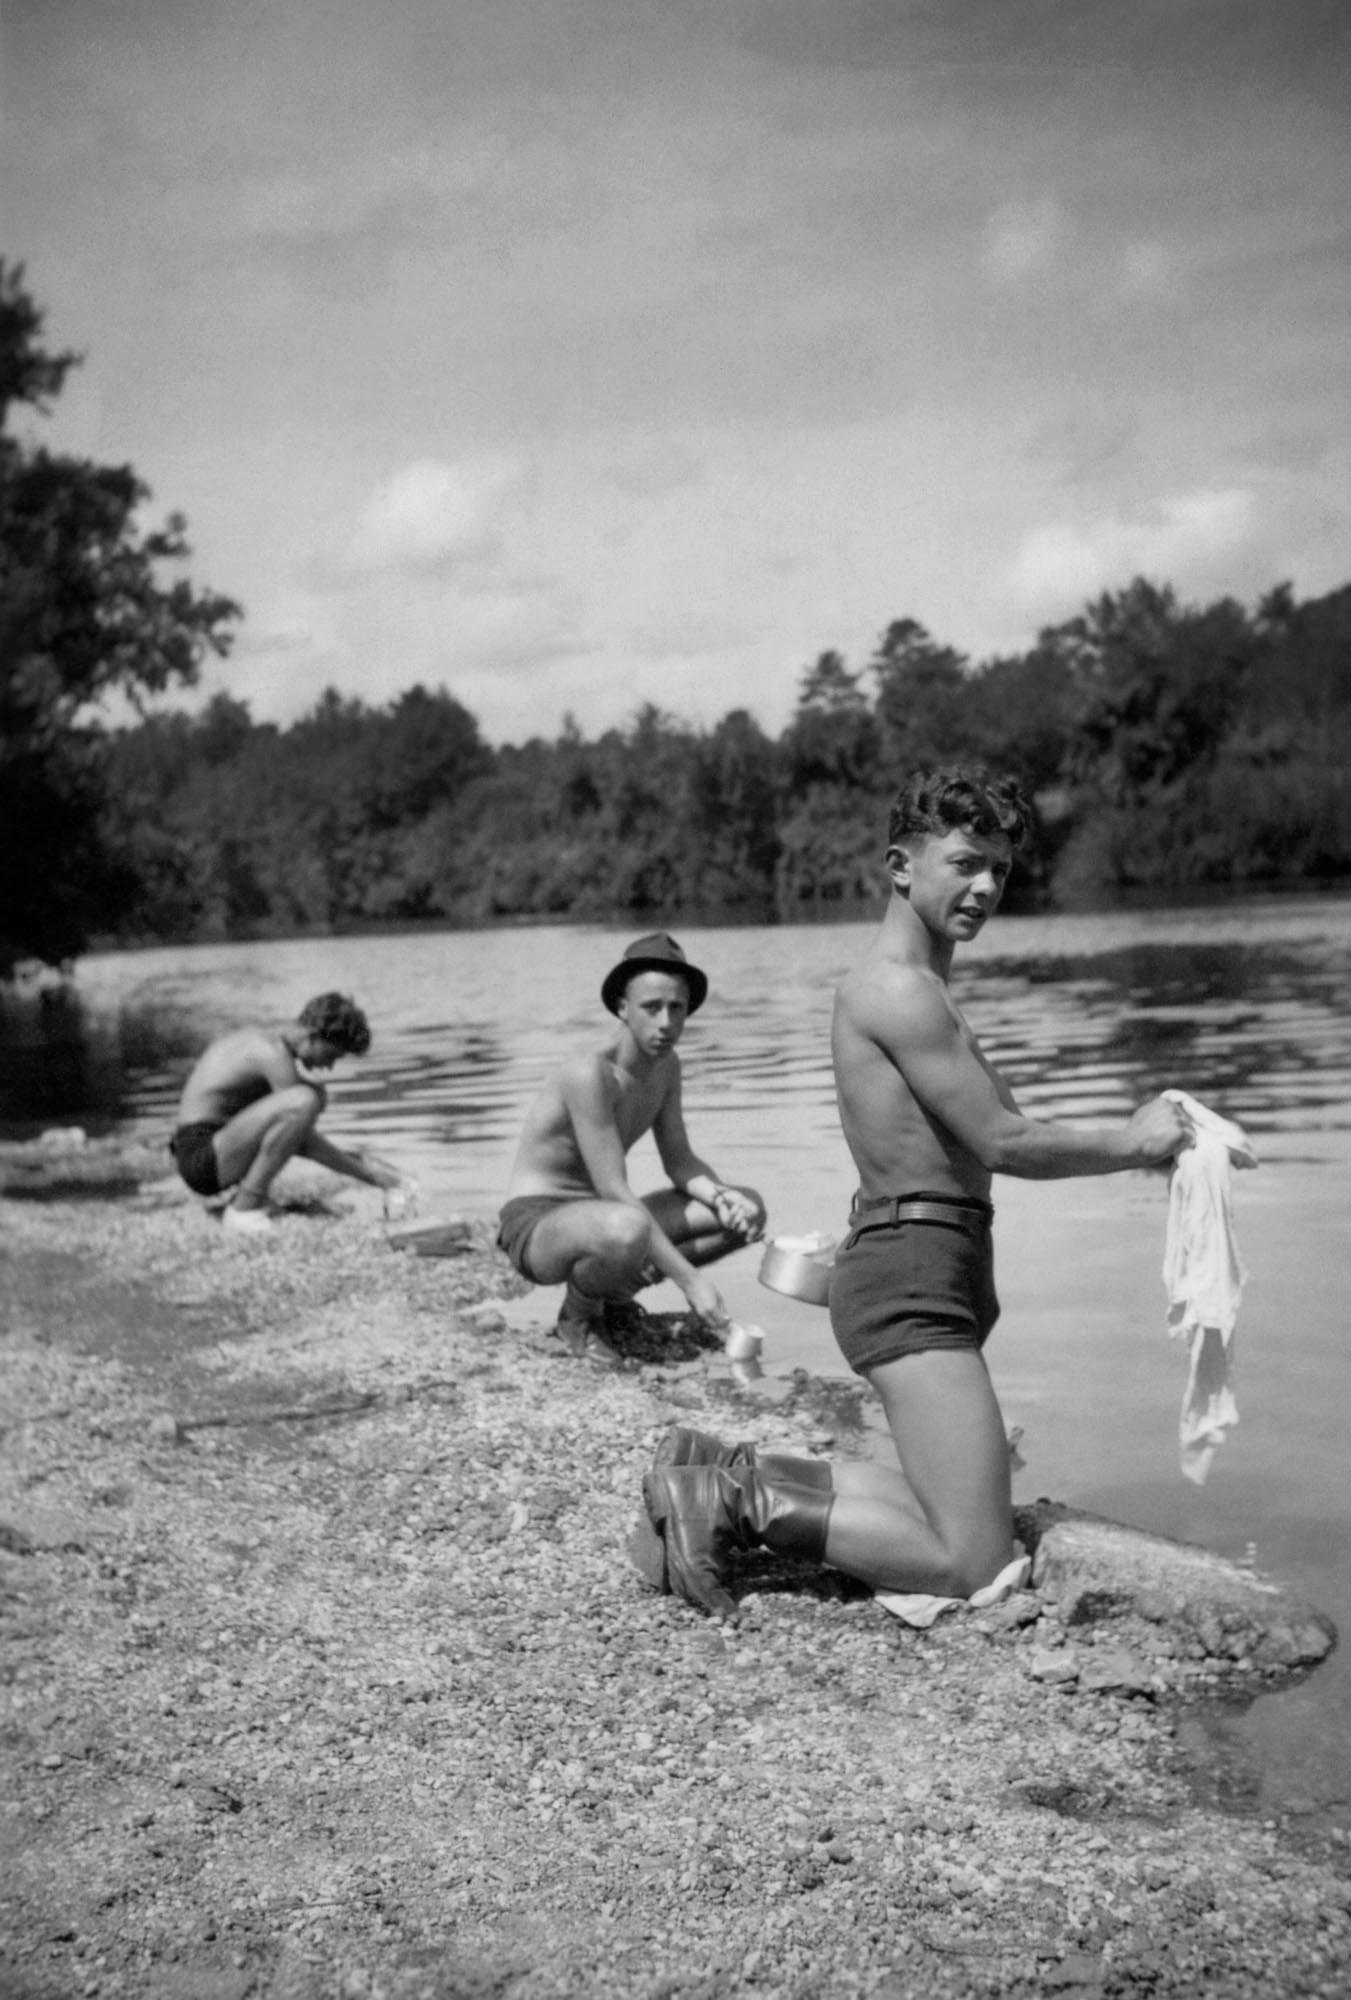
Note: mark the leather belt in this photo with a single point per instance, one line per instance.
(911, 1208)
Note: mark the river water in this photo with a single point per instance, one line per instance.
(1242, 1004)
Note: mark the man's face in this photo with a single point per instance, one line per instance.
(654, 1009)
(954, 880)
(317, 1052)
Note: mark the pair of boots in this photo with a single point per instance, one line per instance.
(586, 1326)
(703, 1499)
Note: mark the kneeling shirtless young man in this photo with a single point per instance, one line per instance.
(929, 1120)
(570, 1214)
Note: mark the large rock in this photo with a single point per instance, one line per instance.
(1098, 1569)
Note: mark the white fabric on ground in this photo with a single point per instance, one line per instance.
(1203, 1275)
(917, 1609)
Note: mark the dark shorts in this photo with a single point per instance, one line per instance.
(906, 1287)
(517, 1223)
(195, 1157)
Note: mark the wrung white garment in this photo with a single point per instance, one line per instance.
(1203, 1275)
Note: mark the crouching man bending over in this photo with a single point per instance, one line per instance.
(252, 1102)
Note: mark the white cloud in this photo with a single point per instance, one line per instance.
(279, 638)
(1022, 238)
(431, 516)
(511, 629)
(653, 467)
(1146, 268)
(694, 634)
(1179, 539)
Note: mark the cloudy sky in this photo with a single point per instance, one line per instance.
(579, 353)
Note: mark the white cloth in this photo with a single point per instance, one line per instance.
(1203, 1275)
(917, 1609)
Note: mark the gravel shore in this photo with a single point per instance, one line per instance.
(326, 1677)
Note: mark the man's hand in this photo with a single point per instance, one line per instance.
(402, 1198)
(738, 1215)
(706, 1301)
(1159, 1131)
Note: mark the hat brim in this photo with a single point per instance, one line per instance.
(612, 992)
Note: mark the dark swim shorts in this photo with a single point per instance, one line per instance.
(517, 1222)
(195, 1157)
(903, 1287)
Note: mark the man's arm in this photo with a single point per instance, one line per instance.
(358, 1166)
(692, 1176)
(587, 1098)
(921, 1033)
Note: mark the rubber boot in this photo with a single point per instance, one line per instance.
(683, 1445)
(580, 1328)
(704, 1512)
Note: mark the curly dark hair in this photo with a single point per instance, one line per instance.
(941, 797)
(338, 1020)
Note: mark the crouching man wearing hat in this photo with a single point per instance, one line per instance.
(570, 1214)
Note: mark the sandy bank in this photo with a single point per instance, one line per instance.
(325, 1675)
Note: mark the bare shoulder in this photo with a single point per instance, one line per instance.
(585, 1077)
(884, 996)
(241, 1049)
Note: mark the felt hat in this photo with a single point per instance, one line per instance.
(654, 953)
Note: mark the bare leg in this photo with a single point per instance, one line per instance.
(885, 1485)
(949, 1435)
(258, 1141)
(695, 1229)
(598, 1246)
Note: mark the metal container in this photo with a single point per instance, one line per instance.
(432, 1236)
(743, 1343)
(799, 1267)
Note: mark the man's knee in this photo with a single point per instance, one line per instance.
(977, 1559)
(620, 1235)
(299, 1105)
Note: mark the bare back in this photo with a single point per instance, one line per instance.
(233, 1072)
(886, 1013)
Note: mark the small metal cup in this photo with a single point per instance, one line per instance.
(743, 1343)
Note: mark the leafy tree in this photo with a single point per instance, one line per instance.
(828, 688)
(1158, 685)
(829, 778)
(1158, 689)
(84, 613)
(924, 700)
(1020, 713)
(832, 738)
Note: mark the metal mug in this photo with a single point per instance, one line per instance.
(743, 1343)
(799, 1267)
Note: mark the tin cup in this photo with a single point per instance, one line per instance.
(743, 1343)
(799, 1267)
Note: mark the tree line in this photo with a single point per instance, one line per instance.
(1165, 745)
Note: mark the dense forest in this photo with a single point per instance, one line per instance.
(1165, 745)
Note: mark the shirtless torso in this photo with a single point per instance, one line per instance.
(898, 1144)
(233, 1072)
(549, 1157)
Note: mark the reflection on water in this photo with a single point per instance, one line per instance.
(1244, 1005)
